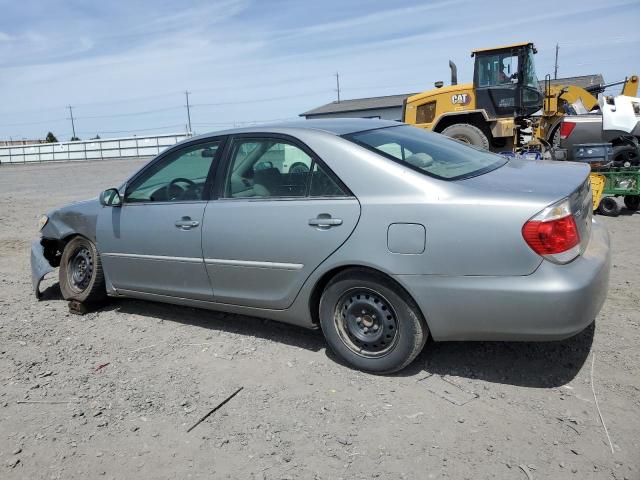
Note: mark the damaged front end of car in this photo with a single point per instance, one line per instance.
(56, 229)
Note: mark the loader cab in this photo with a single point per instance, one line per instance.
(505, 81)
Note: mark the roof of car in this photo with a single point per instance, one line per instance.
(336, 126)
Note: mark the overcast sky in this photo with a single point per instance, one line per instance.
(124, 65)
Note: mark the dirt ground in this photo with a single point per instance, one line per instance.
(131, 378)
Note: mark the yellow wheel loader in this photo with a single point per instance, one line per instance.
(497, 110)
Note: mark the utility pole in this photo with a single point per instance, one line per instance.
(73, 126)
(555, 70)
(338, 85)
(186, 94)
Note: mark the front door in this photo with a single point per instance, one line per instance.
(153, 242)
(496, 82)
(280, 213)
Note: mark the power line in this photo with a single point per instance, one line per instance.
(176, 125)
(259, 100)
(42, 122)
(131, 114)
(243, 122)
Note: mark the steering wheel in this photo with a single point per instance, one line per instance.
(173, 187)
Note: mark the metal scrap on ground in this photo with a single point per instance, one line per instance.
(214, 409)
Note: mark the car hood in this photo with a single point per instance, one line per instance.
(539, 181)
(75, 218)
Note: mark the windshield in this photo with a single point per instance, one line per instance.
(430, 153)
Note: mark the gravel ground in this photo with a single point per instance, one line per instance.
(134, 376)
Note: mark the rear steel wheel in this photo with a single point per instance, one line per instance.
(366, 322)
(371, 322)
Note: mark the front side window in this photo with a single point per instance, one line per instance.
(427, 152)
(180, 177)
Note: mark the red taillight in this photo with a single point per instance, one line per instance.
(566, 128)
(553, 233)
(551, 237)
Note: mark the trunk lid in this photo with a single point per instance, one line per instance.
(539, 184)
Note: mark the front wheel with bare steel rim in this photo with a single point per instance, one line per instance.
(81, 277)
(371, 322)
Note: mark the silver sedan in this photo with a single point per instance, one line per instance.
(379, 233)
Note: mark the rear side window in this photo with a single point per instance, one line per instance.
(427, 152)
(322, 185)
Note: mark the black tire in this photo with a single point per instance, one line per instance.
(632, 202)
(467, 133)
(609, 207)
(386, 337)
(625, 156)
(81, 276)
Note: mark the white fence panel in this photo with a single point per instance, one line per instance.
(127, 147)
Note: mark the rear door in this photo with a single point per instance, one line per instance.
(278, 214)
(153, 242)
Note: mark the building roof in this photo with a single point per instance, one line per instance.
(394, 101)
(357, 104)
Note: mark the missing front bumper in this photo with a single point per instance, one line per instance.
(40, 266)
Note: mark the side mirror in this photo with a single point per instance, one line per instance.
(110, 198)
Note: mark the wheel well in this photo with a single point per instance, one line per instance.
(314, 299)
(475, 119)
(54, 247)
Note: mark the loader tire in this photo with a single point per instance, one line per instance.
(467, 133)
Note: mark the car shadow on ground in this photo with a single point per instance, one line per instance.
(530, 364)
(220, 321)
(51, 292)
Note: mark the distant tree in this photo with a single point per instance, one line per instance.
(74, 139)
(97, 137)
(50, 138)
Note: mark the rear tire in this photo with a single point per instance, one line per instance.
(371, 323)
(609, 207)
(625, 156)
(81, 276)
(467, 133)
(632, 202)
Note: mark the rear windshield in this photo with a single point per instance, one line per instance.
(427, 152)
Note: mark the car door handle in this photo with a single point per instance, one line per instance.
(185, 223)
(324, 220)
